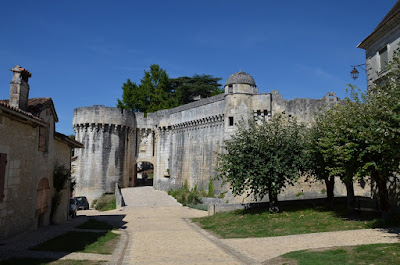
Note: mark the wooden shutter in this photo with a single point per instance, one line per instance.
(384, 58)
(3, 163)
(42, 139)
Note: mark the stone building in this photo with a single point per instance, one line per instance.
(182, 143)
(29, 149)
(380, 45)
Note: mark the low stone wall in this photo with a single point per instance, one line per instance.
(361, 203)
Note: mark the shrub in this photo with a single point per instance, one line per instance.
(105, 203)
(186, 196)
(211, 192)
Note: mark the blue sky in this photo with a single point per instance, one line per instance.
(81, 52)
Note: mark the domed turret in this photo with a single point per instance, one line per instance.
(240, 78)
(240, 82)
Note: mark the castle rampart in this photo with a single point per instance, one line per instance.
(182, 143)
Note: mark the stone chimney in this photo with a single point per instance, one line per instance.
(19, 88)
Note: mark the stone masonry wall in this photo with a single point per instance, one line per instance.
(188, 138)
(109, 138)
(26, 166)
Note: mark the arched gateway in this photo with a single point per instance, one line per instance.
(181, 142)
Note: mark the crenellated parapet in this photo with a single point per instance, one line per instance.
(197, 124)
(101, 127)
(101, 115)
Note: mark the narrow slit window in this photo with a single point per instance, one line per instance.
(230, 121)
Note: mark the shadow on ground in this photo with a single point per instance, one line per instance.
(99, 237)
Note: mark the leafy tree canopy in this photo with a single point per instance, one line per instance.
(334, 149)
(360, 138)
(157, 91)
(187, 88)
(263, 157)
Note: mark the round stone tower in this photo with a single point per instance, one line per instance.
(108, 136)
(239, 90)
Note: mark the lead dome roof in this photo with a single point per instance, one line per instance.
(240, 78)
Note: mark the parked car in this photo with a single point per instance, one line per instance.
(73, 207)
(82, 202)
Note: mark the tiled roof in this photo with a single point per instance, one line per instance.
(39, 102)
(4, 103)
(68, 141)
(36, 105)
(391, 14)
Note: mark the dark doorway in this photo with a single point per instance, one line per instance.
(144, 174)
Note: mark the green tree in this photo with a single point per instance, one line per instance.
(263, 157)
(187, 88)
(335, 149)
(316, 161)
(154, 92)
(157, 91)
(380, 133)
(361, 136)
(133, 98)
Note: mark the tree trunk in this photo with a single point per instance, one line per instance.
(351, 201)
(330, 185)
(273, 202)
(383, 195)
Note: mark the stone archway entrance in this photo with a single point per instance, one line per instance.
(42, 200)
(144, 174)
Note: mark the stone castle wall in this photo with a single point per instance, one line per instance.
(187, 139)
(182, 143)
(108, 135)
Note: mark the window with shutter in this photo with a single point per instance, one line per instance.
(43, 139)
(384, 58)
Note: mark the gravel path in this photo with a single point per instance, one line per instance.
(162, 233)
(265, 248)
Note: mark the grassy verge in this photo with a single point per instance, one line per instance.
(292, 220)
(88, 242)
(105, 203)
(94, 224)
(49, 262)
(366, 254)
